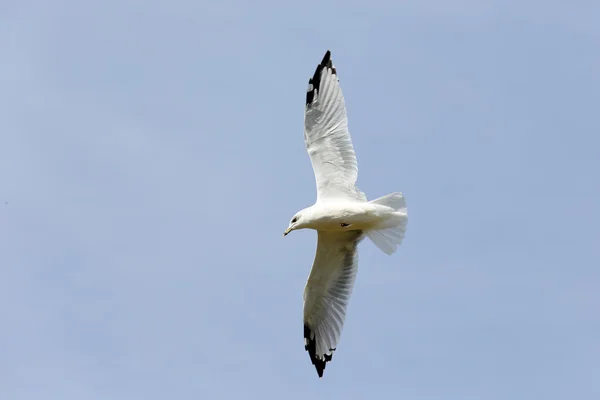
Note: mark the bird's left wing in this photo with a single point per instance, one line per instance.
(327, 292)
(327, 137)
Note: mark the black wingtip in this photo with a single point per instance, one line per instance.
(314, 83)
(311, 347)
(326, 58)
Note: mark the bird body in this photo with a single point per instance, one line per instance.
(347, 215)
(342, 216)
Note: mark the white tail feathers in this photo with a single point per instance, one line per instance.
(393, 200)
(390, 233)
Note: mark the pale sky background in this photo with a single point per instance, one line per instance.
(151, 155)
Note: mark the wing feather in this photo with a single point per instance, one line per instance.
(327, 293)
(327, 138)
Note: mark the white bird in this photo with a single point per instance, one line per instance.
(342, 216)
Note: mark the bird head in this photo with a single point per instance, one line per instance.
(297, 222)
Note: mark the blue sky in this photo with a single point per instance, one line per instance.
(151, 155)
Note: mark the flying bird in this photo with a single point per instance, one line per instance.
(342, 216)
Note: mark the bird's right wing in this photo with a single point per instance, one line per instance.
(327, 292)
(327, 137)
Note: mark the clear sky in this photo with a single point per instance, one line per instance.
(151, 155)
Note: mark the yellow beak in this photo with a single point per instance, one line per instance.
(288, 230)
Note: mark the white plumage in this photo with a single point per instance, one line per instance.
(341, 215)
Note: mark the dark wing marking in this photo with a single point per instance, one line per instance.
(314, 83)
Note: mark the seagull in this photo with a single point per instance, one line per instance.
(342, 216)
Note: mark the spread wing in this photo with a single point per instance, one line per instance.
(326, 135)
(327, 292)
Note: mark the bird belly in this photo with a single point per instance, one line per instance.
(356, 216)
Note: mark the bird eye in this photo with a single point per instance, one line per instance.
(294, 220)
